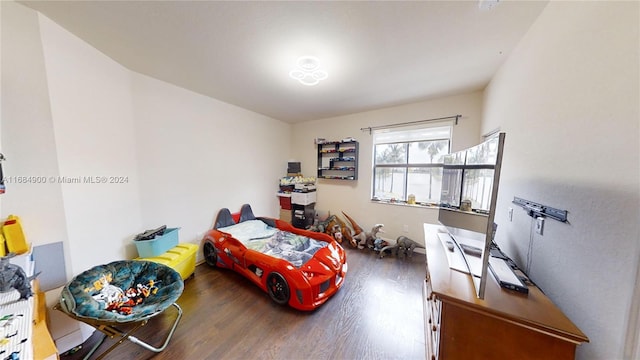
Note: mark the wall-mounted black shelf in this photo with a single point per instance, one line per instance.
(338, 160)
(536, 210)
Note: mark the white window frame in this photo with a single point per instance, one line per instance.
(407, 136)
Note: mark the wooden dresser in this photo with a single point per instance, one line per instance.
(504, 325)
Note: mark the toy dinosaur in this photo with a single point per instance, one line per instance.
(320, 225)
(13, 277)
(371, 236)
(344, 230)
(334, 227)
(364, 238)
(378, 244)
(403, 247)
(335, 232)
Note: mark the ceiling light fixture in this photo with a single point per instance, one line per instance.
(488, 4)
(308, 71)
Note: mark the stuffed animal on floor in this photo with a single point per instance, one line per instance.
(370, 237)
(335, 227)
(403, 247)
(335, 232)
(345, 232)
(379, 244)
(364, 239)
(320, 224)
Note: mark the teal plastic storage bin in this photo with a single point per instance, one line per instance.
(158, 245)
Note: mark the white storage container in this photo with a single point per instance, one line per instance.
(303, 198)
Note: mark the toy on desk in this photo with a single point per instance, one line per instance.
(13, 277)
(7, 325)
(13, 234)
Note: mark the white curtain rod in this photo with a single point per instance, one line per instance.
(370, 128)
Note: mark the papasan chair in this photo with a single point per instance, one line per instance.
(122, 292)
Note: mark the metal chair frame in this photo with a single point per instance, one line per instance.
(109, 330)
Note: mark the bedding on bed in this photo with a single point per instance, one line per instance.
(258, 236)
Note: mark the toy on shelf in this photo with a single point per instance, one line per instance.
(290, 184)
(13, 277)
(292, 180)
(14, 236)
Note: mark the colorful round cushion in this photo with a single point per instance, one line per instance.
(121, 291)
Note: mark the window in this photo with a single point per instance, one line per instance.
(409, 162)
(469, 175)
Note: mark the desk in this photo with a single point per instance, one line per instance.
(43, 345)
(504, 325)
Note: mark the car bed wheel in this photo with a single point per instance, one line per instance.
(210, 255)
(278, 288)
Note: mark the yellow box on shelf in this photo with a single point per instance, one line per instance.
(181, 258)
(14, 236)
(3, 245)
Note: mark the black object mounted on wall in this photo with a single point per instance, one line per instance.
(338, 159)
(536, 210)
(2, 188)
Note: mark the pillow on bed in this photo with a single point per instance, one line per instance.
(249, 230)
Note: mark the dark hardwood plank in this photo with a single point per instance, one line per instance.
(377, 314)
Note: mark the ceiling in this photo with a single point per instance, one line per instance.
(377, 54)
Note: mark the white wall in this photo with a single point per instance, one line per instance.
(91, 107)
(29, 142)
(353, 197)
(568, 100)
(0, 94)
(26, 111)
(197, 155)
(69, 111)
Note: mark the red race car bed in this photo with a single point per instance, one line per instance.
(297, 267)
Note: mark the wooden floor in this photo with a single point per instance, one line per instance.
(376, 315)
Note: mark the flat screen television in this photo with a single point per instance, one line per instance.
(470, 180)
